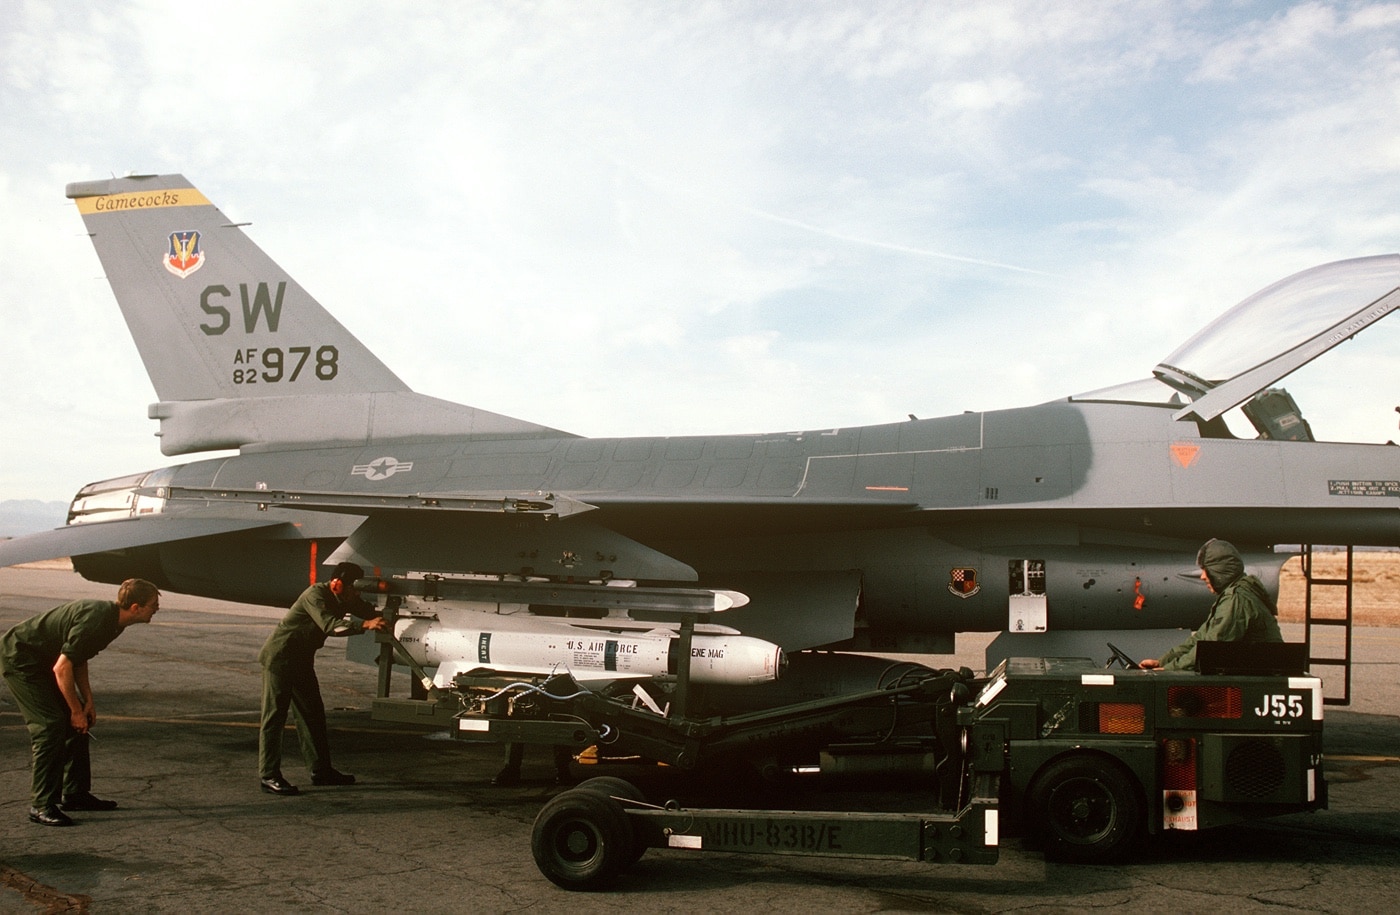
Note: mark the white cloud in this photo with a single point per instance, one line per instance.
(628, 218)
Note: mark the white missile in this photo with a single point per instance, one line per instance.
(467, 641)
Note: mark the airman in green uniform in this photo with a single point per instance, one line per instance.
(1243, 610)
(288, 658)
(45, 661)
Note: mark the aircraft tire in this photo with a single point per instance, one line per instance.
(582, 840)
(1086, 809)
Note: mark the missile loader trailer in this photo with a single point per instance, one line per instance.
(1085, 758)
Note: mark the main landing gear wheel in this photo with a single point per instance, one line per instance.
(582, 840)
(1087, 809)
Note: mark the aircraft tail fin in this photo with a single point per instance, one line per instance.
(239, 353)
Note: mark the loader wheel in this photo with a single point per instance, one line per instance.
(582, 840)
(1085, 809)
(612, 787)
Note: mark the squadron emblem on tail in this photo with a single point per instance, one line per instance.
(185, 256)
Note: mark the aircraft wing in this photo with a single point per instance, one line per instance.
(538, 503)
(550, 505)
(103, 536)
(535, 533)
(555, 535)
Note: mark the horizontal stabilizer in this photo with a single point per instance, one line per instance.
(99, 537)
(342, 419)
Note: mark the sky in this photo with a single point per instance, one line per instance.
(635, 218)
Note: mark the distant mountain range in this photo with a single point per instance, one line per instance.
(29, 516)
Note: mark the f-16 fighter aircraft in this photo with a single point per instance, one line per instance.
(1081, 513)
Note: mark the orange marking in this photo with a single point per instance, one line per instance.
(1184, 454)
(313, 562)
(887, 488)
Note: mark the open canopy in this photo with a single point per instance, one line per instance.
(1269, 335)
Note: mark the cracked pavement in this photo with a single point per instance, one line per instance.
(424, 831)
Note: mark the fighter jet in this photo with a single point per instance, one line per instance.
(1083, 513)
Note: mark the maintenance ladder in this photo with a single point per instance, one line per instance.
(1311, 620)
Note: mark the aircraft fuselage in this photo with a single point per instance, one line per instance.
(938, 522)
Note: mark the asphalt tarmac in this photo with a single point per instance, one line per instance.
(424, 830)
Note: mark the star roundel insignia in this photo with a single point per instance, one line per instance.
(381, 468)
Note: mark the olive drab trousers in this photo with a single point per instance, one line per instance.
(289, 682)
(61, 764)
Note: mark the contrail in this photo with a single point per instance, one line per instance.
(890, 246)
(675, 189)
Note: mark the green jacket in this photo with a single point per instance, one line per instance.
(316, 615)
(1243, 612)
(78, 629)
